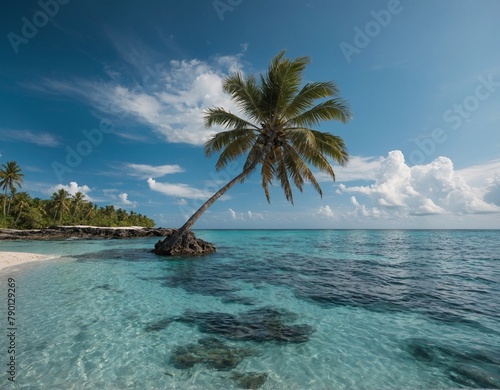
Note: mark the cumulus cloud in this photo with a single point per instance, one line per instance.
(325, 212)
(434, 188)
(255, 216)
(178, 190)
(145, 171)
(125, 201)
(72, 188)
(233, 214)
(248, 216)
(362, 210)
(171, 99)
(492, 194)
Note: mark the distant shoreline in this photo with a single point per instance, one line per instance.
(82, 232)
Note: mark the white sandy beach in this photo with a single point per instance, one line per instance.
(8, 259)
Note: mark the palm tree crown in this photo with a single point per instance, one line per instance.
(274, 131)
(10, 176)
(277, 133)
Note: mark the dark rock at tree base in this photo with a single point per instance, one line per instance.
(249, 380)
(188, 244)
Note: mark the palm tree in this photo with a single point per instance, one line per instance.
(90, 211)
(11, 177)
(275, 131)
(77, 201)
(22, 202)
(60, 201)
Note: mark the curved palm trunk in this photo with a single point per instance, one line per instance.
(5, 202)
(19, 215)
(172, 240)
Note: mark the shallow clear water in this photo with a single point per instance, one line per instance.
(315, 309)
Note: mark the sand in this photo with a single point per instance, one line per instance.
(9, 259)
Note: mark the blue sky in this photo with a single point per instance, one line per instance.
(107, 98)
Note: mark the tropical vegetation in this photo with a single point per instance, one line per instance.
(21, 211)
(274, 130)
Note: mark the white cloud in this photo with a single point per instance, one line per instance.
(434, 188)
(325, 212)
(255, 216)
(182, 202)
(481, 174)
(145, 171)
(42, 139)
(362, 210)
(492, 193)
(72, 188)
(233, 214)
(173, 108)
(248, 216)
(178, 190)
(125, 201)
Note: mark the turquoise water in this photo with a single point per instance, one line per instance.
(315, 309)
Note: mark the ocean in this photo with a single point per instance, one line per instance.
(272, 309)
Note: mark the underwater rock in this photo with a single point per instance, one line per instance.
(473, 376)
(240, 300)
(249, 380)
(472, 368)
(212, 352)
(264, 324)
(422, 350)
(159, 325)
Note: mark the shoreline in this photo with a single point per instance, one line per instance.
(10, 259)
(82, 232)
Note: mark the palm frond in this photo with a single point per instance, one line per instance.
(218, 116)
(221, 140)
(235, 149)
(307, 96)
(247, 95)
(333, 109)
(282, 175)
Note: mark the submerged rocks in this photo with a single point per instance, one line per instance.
(264, 324)
(188, 244)
(259, 325)
(249, 380)
(470, 368)
(212, 352)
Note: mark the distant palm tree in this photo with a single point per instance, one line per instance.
(90, 211)
(22, 202)
(60, 201)
(275, 132)
(10, 176)
(77, 202)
